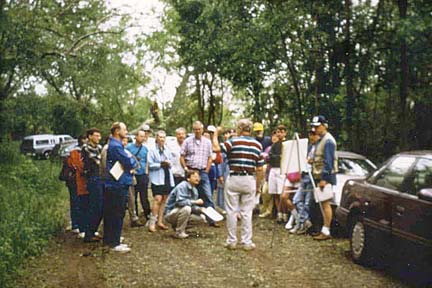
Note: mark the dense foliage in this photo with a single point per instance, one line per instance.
(32, 208)
(366, 66)
(76, 50)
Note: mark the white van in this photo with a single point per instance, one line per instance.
(63, 138)
(38, 145)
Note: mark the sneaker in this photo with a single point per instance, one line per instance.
(230, 246)
(75, 231)
(249, 247)
(203, 218)
(181, 235)
(81, 235)
(121, 249)
(307, 224)
(322, 237)
(289, 226)
(295, 229)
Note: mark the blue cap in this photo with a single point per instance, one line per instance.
(318, 121)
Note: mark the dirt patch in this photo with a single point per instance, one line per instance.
(159, 260)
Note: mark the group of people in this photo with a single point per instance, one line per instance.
(185, 173)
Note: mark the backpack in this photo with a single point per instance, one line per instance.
(67, 173)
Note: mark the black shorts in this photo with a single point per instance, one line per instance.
(160, 189)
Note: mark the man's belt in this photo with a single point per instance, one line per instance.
(242, 173)
(192, 168)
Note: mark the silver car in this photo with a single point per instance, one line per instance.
(351, 166)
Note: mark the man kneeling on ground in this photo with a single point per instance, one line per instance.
(182, 203)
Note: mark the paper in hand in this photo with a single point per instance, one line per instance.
(117, 170)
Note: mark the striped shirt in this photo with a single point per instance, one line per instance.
(244, 154)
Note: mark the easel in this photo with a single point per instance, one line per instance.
(299, 156)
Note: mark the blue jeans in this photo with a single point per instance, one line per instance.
(302, 198)
(83, 218)
(74, 206)
(220, 199)
(204, 190)
(115, 199)
(95, 211)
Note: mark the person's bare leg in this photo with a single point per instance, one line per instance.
(162, 205)
(154, 212)
(328, 213)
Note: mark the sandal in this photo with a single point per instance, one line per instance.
(152, 228)
(162, 226)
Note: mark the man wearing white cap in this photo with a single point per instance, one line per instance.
(324, 169)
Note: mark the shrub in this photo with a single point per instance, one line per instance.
(31, 208)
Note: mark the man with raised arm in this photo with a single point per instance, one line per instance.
(245, 162)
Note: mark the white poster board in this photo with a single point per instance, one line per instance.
(294, 153)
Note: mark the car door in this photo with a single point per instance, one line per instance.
(382, 191)
(412, 217)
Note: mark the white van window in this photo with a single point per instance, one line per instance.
(42, 142)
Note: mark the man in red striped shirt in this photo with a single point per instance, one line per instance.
(245, 162)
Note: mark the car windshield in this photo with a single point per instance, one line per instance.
(355, 167)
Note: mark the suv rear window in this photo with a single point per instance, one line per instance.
(42, 142)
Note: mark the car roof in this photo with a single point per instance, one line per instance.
(39, 136)
(424, 153)
(350, 155)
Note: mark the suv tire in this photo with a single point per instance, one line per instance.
(46, 154)
(359, 242)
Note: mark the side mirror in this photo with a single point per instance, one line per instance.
(425, 194)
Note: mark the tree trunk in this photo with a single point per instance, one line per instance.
(349, 100)
(404, 74)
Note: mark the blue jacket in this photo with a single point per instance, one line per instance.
(329, 154)
(141, 156)
(116, 152)
(182, 195)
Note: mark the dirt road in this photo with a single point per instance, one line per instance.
(159, 260)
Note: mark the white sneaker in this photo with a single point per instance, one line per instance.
(181, 235)
(289, 225)
(230, 246)
(121, 249)
(96, 234)
(75, 231)
(295, 229)
(249, 247)
(203, 218)
(81, 235)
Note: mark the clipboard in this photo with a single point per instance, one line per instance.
(117, 170)
(212, 214)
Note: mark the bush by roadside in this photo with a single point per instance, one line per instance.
(32, 204)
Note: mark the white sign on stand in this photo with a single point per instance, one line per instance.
(294, 156)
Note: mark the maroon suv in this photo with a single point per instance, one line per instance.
(390, 212)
